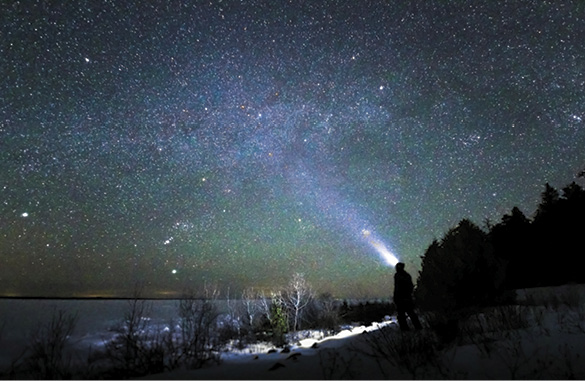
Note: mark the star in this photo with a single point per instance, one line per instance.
(232, 144)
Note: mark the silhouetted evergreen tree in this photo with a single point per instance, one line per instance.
(469, 268)
(459, 272)
(572, 213)
(550, 198)
(433, 290)
(547, 251)
(573, 193)
(512, 242)
(558, 228)
(569, 225)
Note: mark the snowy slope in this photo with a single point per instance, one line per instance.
(542, 337)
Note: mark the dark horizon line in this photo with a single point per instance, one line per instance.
(88, 297)
(14, 297)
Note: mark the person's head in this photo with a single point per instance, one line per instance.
(399, 266)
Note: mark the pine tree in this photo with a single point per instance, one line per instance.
(511, 239)
(279, 321)
(459, 272)
(549, 199)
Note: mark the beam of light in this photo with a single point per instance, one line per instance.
(385, 254)
(341, 213)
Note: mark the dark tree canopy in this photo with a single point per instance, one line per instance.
(460, 271)
(469, 267)
(512, 243)
(557, 236)
(550, 198)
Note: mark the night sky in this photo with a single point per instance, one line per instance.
(176, 143)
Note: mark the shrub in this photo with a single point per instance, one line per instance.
(418, 353)
(140, 347)
(198, 322)
(46, 356)
(279, 322)
(328, 313)
(136, 349)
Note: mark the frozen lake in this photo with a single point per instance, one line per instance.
(96, 320)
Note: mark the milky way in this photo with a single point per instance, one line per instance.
(178, 143)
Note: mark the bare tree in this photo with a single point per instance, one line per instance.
(250, 301)
(264, 305)
(296, 297)
(233, 321)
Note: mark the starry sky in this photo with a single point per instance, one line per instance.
(178, 143)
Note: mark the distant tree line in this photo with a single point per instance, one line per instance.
(471, 267)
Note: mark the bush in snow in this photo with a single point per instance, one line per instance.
(198, 340)
(278, 320)
(416, 353)
(326, 312)
(136, 349)
(141, 348)
(46, 356)
(285, 310)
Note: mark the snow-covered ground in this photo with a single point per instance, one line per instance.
(542, 336)
(309, 358)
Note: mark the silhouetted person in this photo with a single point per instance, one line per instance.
(403, 288)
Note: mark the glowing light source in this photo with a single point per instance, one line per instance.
(340, 212)
(385, 254)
